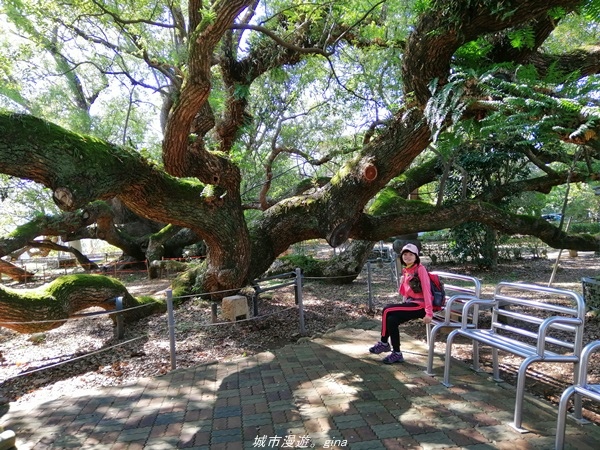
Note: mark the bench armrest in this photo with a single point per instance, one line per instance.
(471, 304)
(545, 325)
(585, 360)
(458, 298)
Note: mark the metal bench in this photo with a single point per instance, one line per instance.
(459, 289)
(580, 389)
(545, 328)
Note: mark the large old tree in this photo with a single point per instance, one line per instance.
(425, 85)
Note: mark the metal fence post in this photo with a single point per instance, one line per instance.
(119, 330)
(369, 286)
(299, 300)
(255, 304)
(171, 319)
(256, 288)
(398, 270)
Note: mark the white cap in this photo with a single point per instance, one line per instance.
(410, 248)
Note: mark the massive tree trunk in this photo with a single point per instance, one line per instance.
(212, 208)
(49, 306)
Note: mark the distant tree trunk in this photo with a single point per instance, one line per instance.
(169, 243)
(346, 266)
(342, 268)
(490, 247)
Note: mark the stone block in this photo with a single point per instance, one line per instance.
(235, 308)
(7, 440)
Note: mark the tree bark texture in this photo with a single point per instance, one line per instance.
(211, 207)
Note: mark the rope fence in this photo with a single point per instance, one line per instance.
(70, 360)
(260, 286)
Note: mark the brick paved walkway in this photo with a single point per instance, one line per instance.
(326, 393)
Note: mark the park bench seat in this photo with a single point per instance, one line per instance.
(537, 323)
(581, 389)
(459, 290)
(521, 349)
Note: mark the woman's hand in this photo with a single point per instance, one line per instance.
(427, 319)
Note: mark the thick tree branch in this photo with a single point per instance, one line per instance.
(586, 61)
(177, 159)
(281, 42)
(420, 217)
(429, 50)
(51, 304)
(44, 226)
(50, 155)
(83, 260)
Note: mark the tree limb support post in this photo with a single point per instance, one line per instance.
(558, 257)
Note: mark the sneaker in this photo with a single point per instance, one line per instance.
(394, 357)
(380, 347)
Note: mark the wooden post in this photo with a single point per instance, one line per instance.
(558, 258)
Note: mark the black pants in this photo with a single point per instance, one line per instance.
(395, 314)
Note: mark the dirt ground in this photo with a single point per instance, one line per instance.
(84, 354)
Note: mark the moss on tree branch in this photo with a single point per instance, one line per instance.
(52, 304)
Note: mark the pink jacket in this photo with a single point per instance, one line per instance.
(419, 297)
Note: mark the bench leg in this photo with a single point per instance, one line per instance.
(577, 400)
(520, 394)
(431, 334)
(495, 367)
(561, 422)
(476, 366)
(446, 381)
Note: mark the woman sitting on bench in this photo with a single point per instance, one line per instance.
(415, 305)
